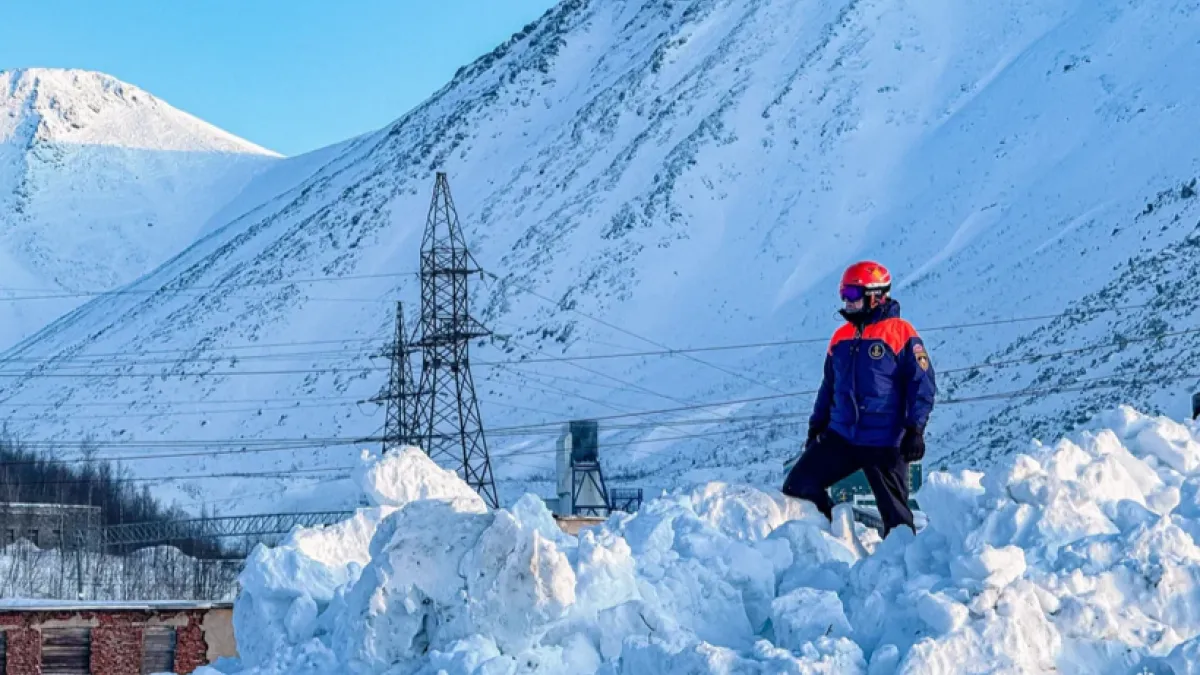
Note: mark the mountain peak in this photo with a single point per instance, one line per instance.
(90, 108)
(100, 181)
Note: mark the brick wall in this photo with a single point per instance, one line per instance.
(24, 649)
(116, 638)
(117, 644)
(191, 650)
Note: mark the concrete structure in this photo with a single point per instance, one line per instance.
(113, 638)
(46, 525)
(580, 488)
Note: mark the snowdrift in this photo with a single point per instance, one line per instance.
(1079, 557)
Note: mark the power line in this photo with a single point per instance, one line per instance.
(51, 293)
(630, 333)
(217, 356)
(527, 427)
(606, 376)
(110, 404)
(280, 473)
(189, 413)
(1094, 383)
(628, 386)
(266, 345)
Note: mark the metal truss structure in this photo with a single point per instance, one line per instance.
(446, 420)
(135, 534)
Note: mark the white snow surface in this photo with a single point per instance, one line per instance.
(100, 182)
(1078, 558)
(670, 174)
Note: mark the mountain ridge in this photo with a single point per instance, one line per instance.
(64, 104)
(679, 174)
(99, 182)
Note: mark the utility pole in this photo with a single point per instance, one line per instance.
(447, 421)
(398, 428)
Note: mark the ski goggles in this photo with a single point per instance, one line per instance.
(853, 293)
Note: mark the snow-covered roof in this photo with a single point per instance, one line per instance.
(32, 605)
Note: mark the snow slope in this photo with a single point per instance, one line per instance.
(1078, 558)
(100, 182)
(679, 174)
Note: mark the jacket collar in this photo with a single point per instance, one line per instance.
(888, 310)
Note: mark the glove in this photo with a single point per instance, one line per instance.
(912, 446)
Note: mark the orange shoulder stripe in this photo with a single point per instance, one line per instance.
(894, 332)
(846, 332)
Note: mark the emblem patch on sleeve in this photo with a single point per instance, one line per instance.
(876, 351)
(923, 360)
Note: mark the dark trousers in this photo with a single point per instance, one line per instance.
(832, 458)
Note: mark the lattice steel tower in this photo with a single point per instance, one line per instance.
(447, 421)
(401, 394)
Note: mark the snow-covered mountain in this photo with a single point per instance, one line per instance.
(99, 183)
(680, 174)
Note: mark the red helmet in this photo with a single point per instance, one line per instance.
(868, 276)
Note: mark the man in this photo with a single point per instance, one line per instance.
(873, 404)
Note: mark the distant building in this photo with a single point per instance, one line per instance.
(47, 525)
(114, 638)
(581, 490)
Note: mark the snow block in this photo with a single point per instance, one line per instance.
(994, 567)
(806, 614)
(407, 475)
(1172, 443)
(942, 614)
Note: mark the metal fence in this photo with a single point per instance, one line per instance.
(628, 500)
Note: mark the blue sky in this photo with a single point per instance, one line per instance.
(292, 76)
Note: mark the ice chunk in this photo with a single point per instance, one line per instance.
(605, 572)
(842, 529)
(744, 512)
(517, 581)
(811, 545)
(463, 656)
(531, 510)
(884, 660)
(1185, 658)
(941, 613)
(994, 567)
(1172, 443)
(806, 614)
(412, 597)
(301, 619)
(952, 503)
(407, 475)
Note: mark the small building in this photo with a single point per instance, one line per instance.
(47, 525)
(580, 487)
(113, 638)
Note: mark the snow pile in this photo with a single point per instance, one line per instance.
(407, 476)
(1076, 558)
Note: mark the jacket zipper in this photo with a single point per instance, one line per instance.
(858, 331)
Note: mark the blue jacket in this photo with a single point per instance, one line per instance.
(878, 381)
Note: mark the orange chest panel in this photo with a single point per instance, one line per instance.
(895, 333)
